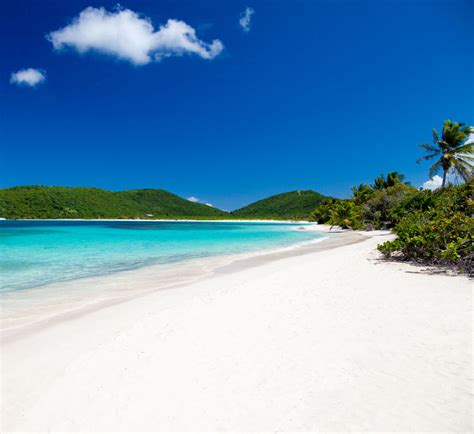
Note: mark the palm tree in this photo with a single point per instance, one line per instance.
(452, 151)
(395, 178)
(343, 214)
(380, 183)
(392, 179)
(361, 193)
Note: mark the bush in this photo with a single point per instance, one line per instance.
(322, 213)
(417, 201)
(377, 211)
(343, 213)
(435, 228)
(362, 193)
(346, 215)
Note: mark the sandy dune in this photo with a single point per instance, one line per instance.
(330, 340)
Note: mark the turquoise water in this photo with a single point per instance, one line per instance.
(39, 253)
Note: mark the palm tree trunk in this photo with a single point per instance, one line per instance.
(444, 178)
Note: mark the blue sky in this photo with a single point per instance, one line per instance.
(310, 95)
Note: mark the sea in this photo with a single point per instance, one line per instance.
(46, 264)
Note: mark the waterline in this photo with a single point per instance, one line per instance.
(58, 267)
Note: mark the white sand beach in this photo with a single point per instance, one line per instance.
(320, 340)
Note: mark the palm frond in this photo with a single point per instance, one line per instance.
(452, 150)
(466, 129)
(434, 169)
(467, 148)
(429, 148)
(427, 157)
(466, 163)
(462, 170)
(444, 145)
(465, 157)
(446, 128)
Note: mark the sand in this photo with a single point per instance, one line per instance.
(320, 340)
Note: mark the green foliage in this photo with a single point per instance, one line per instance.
(346, 215)
(322, 214)
(392, 179)
(432, 227)
(370, 207)
(87, 203)
(435, 228)
(63, 203)
(395, 178)
(286, 206)
(335, 212)
(362, 193)
(377, 210)
(451, 151)
(425, 237)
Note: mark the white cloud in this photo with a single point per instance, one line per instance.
(28, 77)
(433, 183)
(196, 200)
(245, 18)
(452, 177)
(131, 37)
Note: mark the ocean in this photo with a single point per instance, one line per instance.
(45, 263)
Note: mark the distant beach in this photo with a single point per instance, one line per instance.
(324, 337)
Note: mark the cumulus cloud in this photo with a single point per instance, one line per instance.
(210, 204)
(245, 18)
(452, 177)
(131, 37)
(28, 77)
(193, 199)
(433, 183)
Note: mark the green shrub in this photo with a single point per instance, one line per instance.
(432, 227)
(434, 238)
(415, 201)
(346, 215)
(322, 213)
(377, 211)
(362, 193)
(343, 213)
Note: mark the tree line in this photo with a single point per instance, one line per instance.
(432, 227)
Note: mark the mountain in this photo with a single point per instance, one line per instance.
(292, 205)
(70, 202)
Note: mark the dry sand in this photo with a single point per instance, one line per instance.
(320, 340)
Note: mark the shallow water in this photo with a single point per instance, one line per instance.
(47, 266)
(37, 253)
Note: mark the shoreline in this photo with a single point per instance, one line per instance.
(329, 340)
(207, 268)
(165, 220)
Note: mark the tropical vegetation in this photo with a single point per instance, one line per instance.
(451, 151)
(294, 205)
(86, 203)
(436, 228)
(432, 227)
(40, 202)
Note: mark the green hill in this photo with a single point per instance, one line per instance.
(292, 205)
(68, 202)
